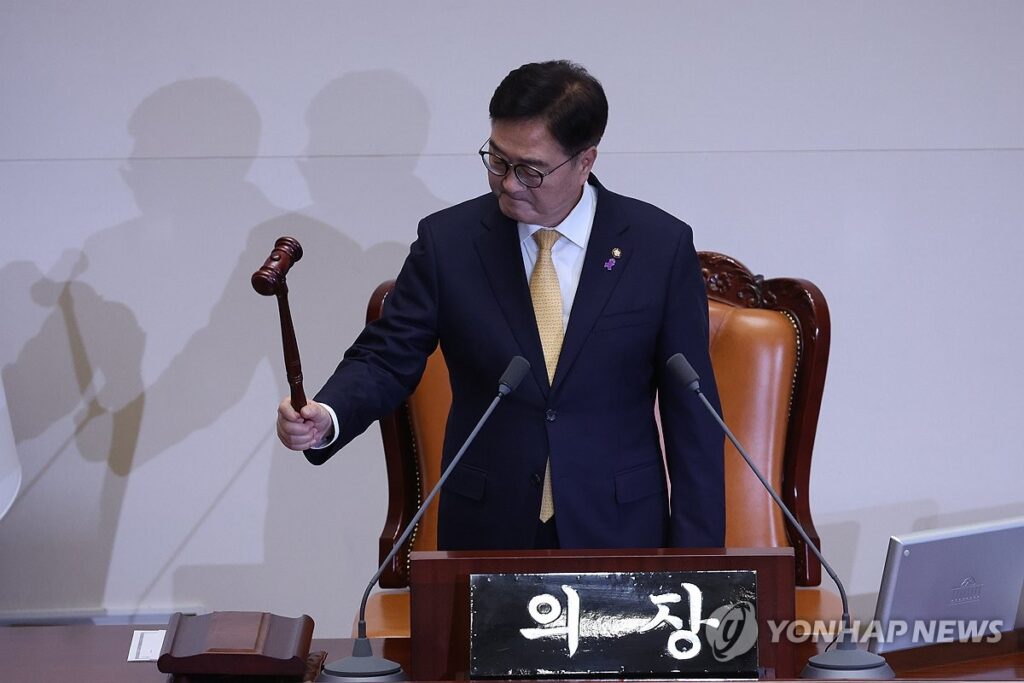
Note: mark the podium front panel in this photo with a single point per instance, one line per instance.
(440, 590)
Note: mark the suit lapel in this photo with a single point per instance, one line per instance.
(601, 273)
(500, 252)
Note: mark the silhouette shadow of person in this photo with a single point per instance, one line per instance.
(366, 130)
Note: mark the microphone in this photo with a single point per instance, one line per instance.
(513, 375)
(846, 661)
(363, 666)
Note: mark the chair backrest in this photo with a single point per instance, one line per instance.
(769, 342)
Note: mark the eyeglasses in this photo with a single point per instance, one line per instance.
(530, 176)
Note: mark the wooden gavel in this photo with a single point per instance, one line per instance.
(269, 280)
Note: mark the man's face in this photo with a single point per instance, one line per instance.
(529, 142)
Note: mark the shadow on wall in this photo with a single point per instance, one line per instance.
(134, 352)
(134, 294)
(366, 130)
(68, 369)
(82, 377)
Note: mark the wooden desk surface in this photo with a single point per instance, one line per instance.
(98, 654)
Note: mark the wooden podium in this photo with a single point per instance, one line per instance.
(440, 607)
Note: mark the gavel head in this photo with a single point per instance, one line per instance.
(270, 278)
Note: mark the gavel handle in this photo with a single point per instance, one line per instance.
(292, 365)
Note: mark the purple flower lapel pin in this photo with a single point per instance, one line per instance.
(610, 263)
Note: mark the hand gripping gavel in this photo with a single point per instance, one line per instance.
(270, 280)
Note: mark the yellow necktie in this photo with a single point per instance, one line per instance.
(547, 307)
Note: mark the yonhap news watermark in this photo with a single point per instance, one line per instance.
(736, 630)
(924, 632)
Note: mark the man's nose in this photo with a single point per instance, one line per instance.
(510, 182)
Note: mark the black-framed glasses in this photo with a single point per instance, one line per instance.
(530, 176)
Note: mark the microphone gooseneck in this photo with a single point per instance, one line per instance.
(681, 370)
(846, 661)
(363, 665)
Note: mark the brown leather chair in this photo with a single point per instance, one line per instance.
(769, 349)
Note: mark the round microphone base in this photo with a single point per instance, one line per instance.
(362, 666)
(362, 669)
(846, 661)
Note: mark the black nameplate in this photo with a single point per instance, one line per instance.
(696, 624)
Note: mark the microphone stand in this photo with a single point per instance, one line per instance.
(847, 660)
(363, 665)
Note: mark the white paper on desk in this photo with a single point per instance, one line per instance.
(146, 646)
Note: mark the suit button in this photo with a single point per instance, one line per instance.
(536, 479)
(550, 415)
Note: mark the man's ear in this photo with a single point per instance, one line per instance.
(587, 159)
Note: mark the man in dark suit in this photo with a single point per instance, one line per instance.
(597, 291)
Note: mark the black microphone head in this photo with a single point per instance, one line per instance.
(513, 375)
(683, 372)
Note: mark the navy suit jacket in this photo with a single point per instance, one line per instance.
(463, 285)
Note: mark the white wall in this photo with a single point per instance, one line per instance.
(150, 153)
